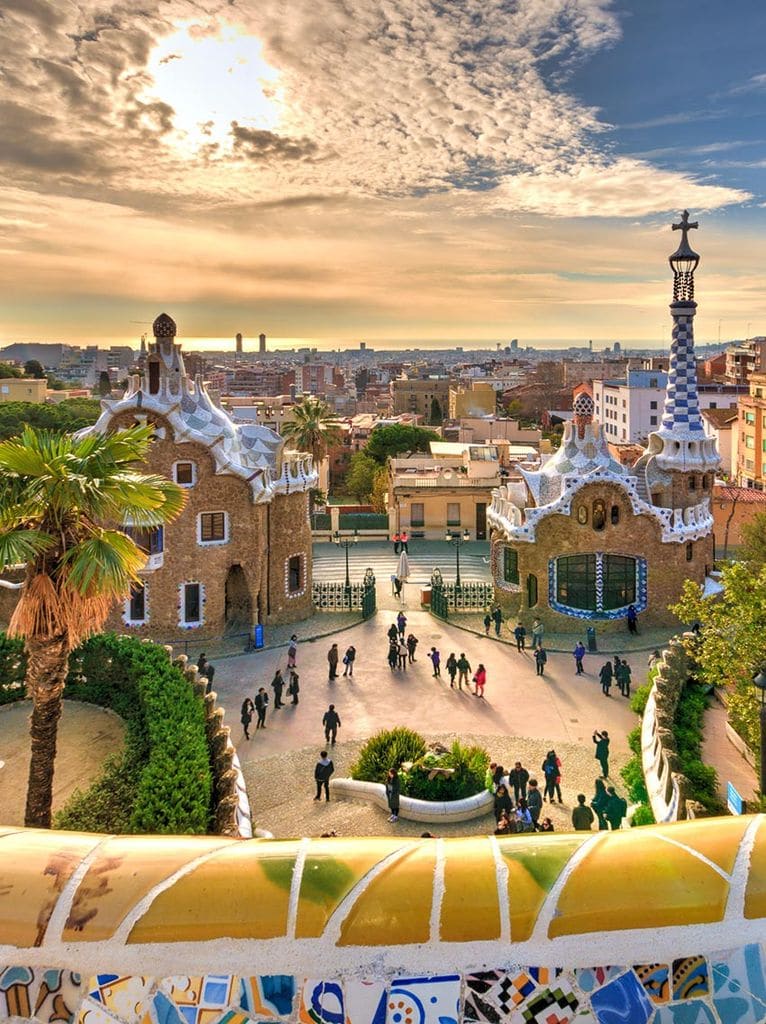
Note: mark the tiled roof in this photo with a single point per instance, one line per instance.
(746, 495)
(720, 417)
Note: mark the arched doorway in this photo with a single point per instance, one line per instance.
(238, 606)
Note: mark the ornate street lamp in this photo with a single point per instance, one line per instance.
(346, 542)
(759, 682)
(457, 540)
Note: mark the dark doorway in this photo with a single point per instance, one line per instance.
(481, 520)
(238, 606)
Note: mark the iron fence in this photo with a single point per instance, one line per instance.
(338, 597)
(449, 597)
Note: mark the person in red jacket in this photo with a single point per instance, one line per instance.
(479, 680)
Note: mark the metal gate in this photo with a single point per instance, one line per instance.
(368, 595)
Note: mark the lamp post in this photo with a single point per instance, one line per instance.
(457, 539)
(759, 682)
(346, 544)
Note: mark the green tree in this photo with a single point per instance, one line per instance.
(69, 415)
(379, 494)
(436, 417)
(6, 370)
(513, 408)
(731, 646)
(104, 386)
(62, 503)
(34, 368)
(753, 548)
(314, 428)
(360, 478)
(398, 438)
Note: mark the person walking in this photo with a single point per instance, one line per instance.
(393, 654)
(599, 804)
(605, 676)
(582, 816)
(579, 653)
(332, 661)
(210, 673)
(405, 542)
(292, 651)
(246, 715)
(552, 771)
(401, 625)
(202, 664)
(323, 770)
(616, 808)
(294, 686)
(402, 655)
(632, 617)
(436, 661)
(331, 723)
(397, 540)
(534, 801)
(397, 584)
(503, 802)
(261, 704)
(518, 777)
(348, 660)
(393, 633)
(277, 685)
(601, 739)
(479, 680)
(487, 623)
(538, 629)
(463, 668)
(412, 646)
(497, 616)
(624, 678)
(393, 790)
(451, 668)
(520, 635)
(541, 658)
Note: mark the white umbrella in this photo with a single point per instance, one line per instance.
(403, 569)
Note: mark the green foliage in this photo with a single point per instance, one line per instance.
(13, 669)
(379, 495)
(397, 438)
(360, 478)
(6, 371)
(69, 415)
(753, 549)
(162, 783)
(643, 815)
(634, 739)
(314, 427)
(640, 695)
(436, 416)
(34, 368)
(469, 764)
(633, 776)
(387, 749)
(687, 729)
(362, 521)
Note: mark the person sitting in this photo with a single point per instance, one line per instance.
(546, 825)
(503, 802)
(523, 817)
(503, 825)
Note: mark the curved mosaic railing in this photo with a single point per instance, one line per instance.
(209, 930)
(666, 786)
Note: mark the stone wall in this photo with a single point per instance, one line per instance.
(289, 534)
(662, 924)
(634, 535)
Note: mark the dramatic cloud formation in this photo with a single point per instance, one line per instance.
(307, 124)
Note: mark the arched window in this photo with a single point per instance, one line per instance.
(599, 515)
(154, 376)
(689, 551)
(615, 515)
(596, 586)
(510, 565)
(692, 483)
(705, 482)
(531, 590)
(582, 515)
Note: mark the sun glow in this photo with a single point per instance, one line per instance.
(212, 75)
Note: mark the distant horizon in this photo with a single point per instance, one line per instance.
(278, 344)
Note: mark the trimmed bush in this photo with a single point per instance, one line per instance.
(469, 765)
(162, 781)
(13, 668)
(387, 749)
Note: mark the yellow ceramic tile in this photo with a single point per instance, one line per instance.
(635, 880)
(717, 839)
(37, 864)
(242, 892)
(470, 909)
(331, 870)
(125, 869)
(395, 908)
(533, 867)
(755, 893)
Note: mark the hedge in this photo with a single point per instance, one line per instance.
(13, 668)
(164, 772)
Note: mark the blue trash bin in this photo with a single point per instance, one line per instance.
(258, 636)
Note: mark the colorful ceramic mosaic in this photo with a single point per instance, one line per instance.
(517, 995)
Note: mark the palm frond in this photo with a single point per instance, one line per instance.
(106, 563)
(20, 546)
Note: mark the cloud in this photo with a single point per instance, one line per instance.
(262, 145)
(756, 83)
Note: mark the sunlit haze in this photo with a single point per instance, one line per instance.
(460, 173)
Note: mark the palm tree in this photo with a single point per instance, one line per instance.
(314, 428)
(61, 497)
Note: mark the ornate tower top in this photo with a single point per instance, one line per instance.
(684, 261)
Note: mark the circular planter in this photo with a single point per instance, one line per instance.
(410, 809)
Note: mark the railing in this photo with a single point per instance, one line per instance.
(337, 597)
(449, 597)
(666, 786)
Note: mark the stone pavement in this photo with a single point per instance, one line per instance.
(87, 735)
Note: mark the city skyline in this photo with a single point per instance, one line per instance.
(461, 173)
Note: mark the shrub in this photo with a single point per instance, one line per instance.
(162, 782)
(469, 766)
(643, 815)
(387, 749)
(633, 776)
(640, 696)
(13, 667)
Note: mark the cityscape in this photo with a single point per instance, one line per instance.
(382, 513)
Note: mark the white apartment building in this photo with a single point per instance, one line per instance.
(630, 407)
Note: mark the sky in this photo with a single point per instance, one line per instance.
(453, 170)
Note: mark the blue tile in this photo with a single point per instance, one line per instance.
(739, 986)
(622, 1000)
(691, 1011)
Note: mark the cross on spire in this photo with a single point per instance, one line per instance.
(685, 226)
